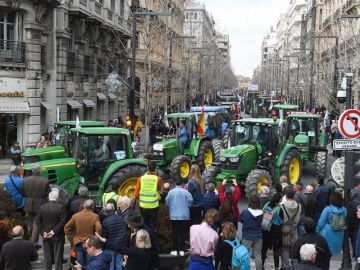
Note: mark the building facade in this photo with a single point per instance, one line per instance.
(55, 57)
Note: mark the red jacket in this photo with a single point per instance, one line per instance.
(235, 200)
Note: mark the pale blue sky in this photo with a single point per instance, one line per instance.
(247, 22)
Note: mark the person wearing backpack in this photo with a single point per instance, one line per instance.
(229, 252)
(331, 224)
(271, 234)
(251, 219)
(232, 194)
(291, 211)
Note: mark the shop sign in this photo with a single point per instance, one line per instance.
(12, 94)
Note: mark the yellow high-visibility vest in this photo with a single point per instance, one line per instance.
(110, 195)
(148, 197)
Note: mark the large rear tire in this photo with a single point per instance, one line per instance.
(217, 144)
(210, 173)
(205, 155)
(126, 179)
(180, 167)
(255, 179)
(321, 162)
(292, 166)
(226, 143)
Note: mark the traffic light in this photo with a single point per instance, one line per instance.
(352, 169)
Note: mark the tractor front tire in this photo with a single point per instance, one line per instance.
(180, 168)
(292, 166)
(255, 179)
(217, 144)
(205, 155)
(321, 162)
(210, 173)
(226, 143)
(126, 178)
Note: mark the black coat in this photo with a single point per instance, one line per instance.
(322, 248)
(310, 208)
(114, 229)
(223, 255)
(74, 204)
(17, 254)
(52, 217)
(305, 265)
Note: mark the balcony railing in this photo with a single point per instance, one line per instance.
(110, 15)
(84, 2)
(71, 61)
(98, 7)
(12, 51)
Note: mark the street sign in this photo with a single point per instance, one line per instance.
(349, 124)
(344, 144)
(338, 170)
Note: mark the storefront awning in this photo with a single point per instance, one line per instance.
(74, 104)
(89, 103)
(112, 97)
(14, 106)
(46, 105)
(101, 96)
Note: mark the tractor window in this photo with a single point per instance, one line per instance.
(261, 133)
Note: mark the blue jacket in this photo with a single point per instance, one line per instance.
(114, 229)
(333, 238)
(179, 200)
(210, 200)
(18, 198)
(195, 191)
(251, 220)
(322, 199)
(183, 135)
(99, 262)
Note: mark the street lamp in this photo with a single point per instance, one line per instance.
(133, 59)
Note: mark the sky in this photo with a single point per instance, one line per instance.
(247, 22)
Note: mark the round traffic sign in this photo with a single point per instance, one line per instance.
(349, 124)
(338, 170)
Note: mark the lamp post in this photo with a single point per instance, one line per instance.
(133, 58)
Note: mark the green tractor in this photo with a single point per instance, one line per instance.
(63, 142)
(304, 132)
(174, 158)
(263, 105)
(101, 156)
(260, 155)
(283, 110)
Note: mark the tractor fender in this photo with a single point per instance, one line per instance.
(280, 158)
(117, 165)
(195, 144)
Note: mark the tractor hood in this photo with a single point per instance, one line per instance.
(237, 151)
(301, 139)
(165, 143)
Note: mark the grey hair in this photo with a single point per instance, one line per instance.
(307, 251)
(82, 191)
(109, 208)
(54, 195)
(265, 190)
(36, 169)
(88, 204)
(124, 199)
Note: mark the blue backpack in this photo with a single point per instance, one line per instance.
(240, 257)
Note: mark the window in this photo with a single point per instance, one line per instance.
(112, 5)
(195, 15)
(122, 8)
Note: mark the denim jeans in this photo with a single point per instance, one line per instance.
(81, 255)
(116, 260)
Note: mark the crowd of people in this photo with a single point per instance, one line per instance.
(304, 227)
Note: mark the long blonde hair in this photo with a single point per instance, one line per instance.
(196, 175)
(143, 239)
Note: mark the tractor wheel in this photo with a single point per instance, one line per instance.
(321, 162)
(217, 144)
(210, 173)
(205, 155)
(126, 178)
(255, 179)
(226, 143)
(180, 168)
(292, 166)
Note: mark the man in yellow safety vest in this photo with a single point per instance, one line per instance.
(147, 191)
(111, 195)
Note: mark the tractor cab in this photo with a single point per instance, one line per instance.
(95, 149)
(283, 110)
(63, 142)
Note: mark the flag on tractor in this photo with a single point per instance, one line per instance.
(201, 123)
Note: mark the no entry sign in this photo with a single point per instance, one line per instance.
(349, 124)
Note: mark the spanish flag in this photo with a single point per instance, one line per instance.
(201, 123)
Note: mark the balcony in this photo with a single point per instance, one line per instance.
(12, 51)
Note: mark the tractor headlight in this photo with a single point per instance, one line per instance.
(158, 147)
(234, 159)
(222, 158)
